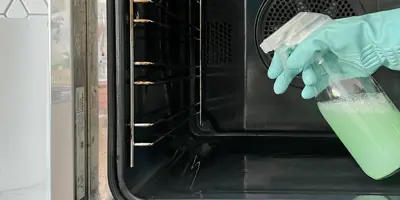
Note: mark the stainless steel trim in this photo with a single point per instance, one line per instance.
(75, 53)
(93, 100)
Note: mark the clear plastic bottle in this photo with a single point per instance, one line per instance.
(357, 109)
(366, 121)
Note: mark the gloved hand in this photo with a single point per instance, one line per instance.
(351, 47)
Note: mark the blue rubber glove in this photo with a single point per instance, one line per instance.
(351, 47)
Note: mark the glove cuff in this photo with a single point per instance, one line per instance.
(372, 57)
(392, 58)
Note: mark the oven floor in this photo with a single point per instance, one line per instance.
(248, 173)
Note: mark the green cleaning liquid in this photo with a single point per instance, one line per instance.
(369, 126)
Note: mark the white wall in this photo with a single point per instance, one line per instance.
(24, 100)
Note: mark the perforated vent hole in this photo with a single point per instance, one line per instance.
(218, 48)
(318, 5)
(279, 13)
(344, 9)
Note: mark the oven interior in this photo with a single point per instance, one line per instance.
(193, 115)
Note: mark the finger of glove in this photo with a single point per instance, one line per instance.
(311, 91)
(283, 81)
(309, 77)
(275, 69)
(306, 52)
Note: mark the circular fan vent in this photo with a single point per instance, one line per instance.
(274, 13)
